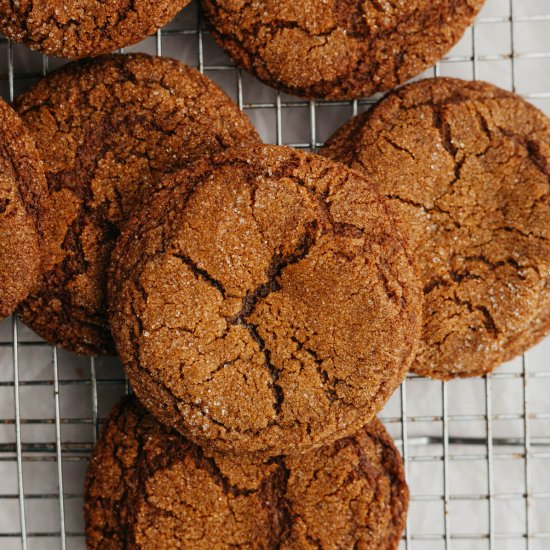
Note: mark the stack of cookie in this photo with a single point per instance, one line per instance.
(266, 302)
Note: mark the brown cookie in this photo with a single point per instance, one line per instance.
(148, 487)
(84, 28)
(466, 165)
(264, 302)
(23, 196)
(106, 130)
(338, 49)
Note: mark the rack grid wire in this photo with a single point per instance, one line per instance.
(476, 451)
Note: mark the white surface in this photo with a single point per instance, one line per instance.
(486, 483)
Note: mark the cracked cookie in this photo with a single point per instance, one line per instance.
(264, 302)
(84, 28)
(338, 49)
(149, 487)
(466, 165)
(23, 195)
(107, 129)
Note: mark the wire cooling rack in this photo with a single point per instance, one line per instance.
(477, 451)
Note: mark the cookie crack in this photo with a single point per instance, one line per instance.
(4, 203)
(537, 157)
(279, 509)
(445, 134)
(211, 466)
(278, 392)
(493, 264)
(460, 276)
(526, 234)
(251, 299)
(221, 367)
(26, 183)
(456, 276)
(323, 374)
(489, 320)
(275, 269)
(399, 147)
(201, 273)
(424, 207)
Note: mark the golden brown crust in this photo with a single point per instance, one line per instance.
(467, 166)
(84, 28)
(107, 129)
(338, 49)
(264, 301)
(23, 196)
(148, 487)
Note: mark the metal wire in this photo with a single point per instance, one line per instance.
(437, 441)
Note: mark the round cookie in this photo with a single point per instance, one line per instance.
(338, 49)
(23, 196)
(264, 302)
(84, 28)
(107, 129)
(148, 487)
(466, 165)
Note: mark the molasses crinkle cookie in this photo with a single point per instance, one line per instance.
(107, 130)
(23, 196)
(466, 166)
(264, 301)
(84, 28)
(337, 49)
(149, 488)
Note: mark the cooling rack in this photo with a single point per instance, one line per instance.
(477, 451)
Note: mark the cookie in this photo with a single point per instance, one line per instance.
(149, 487)
(467, 166)
(337, 49)
(107, 129)
(84, 28)
(264, 302)
(23, 195)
